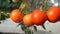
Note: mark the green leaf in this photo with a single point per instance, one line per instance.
(45, 6)
(23, 27)
(2, 16)
(43, 27)
(28, 31)
(35, 28)
(7, 15)
(5, 3)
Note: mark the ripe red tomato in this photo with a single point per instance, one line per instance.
(38, 17)
(27, 20)
(53, 14)
(59, 14)
(45, 14)
(16, 16)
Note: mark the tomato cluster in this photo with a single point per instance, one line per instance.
(53, 14)
(37, 16)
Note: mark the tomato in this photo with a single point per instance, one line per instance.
(16, 16)
(38, 17)
(59, 15)
(27, 20)
(45, 14)
(53, 14)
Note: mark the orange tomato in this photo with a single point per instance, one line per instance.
(16, 16)
(53, 14)
(27, 20)
(38, 17)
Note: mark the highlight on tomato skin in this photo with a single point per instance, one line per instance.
(53, 14)
(38, 17)
(16, 15)
(27, 20)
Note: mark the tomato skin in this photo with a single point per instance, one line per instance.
(53, 14)
(38, 17)
(16, 16)
(59, 14)
(45, 14)
(27, 20)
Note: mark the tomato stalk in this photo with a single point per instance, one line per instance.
(44, 6)
(43, 27)
(25, 28)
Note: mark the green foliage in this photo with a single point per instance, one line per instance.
(45, 7)
(7, 15)
(2, 16)
(4, 3)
